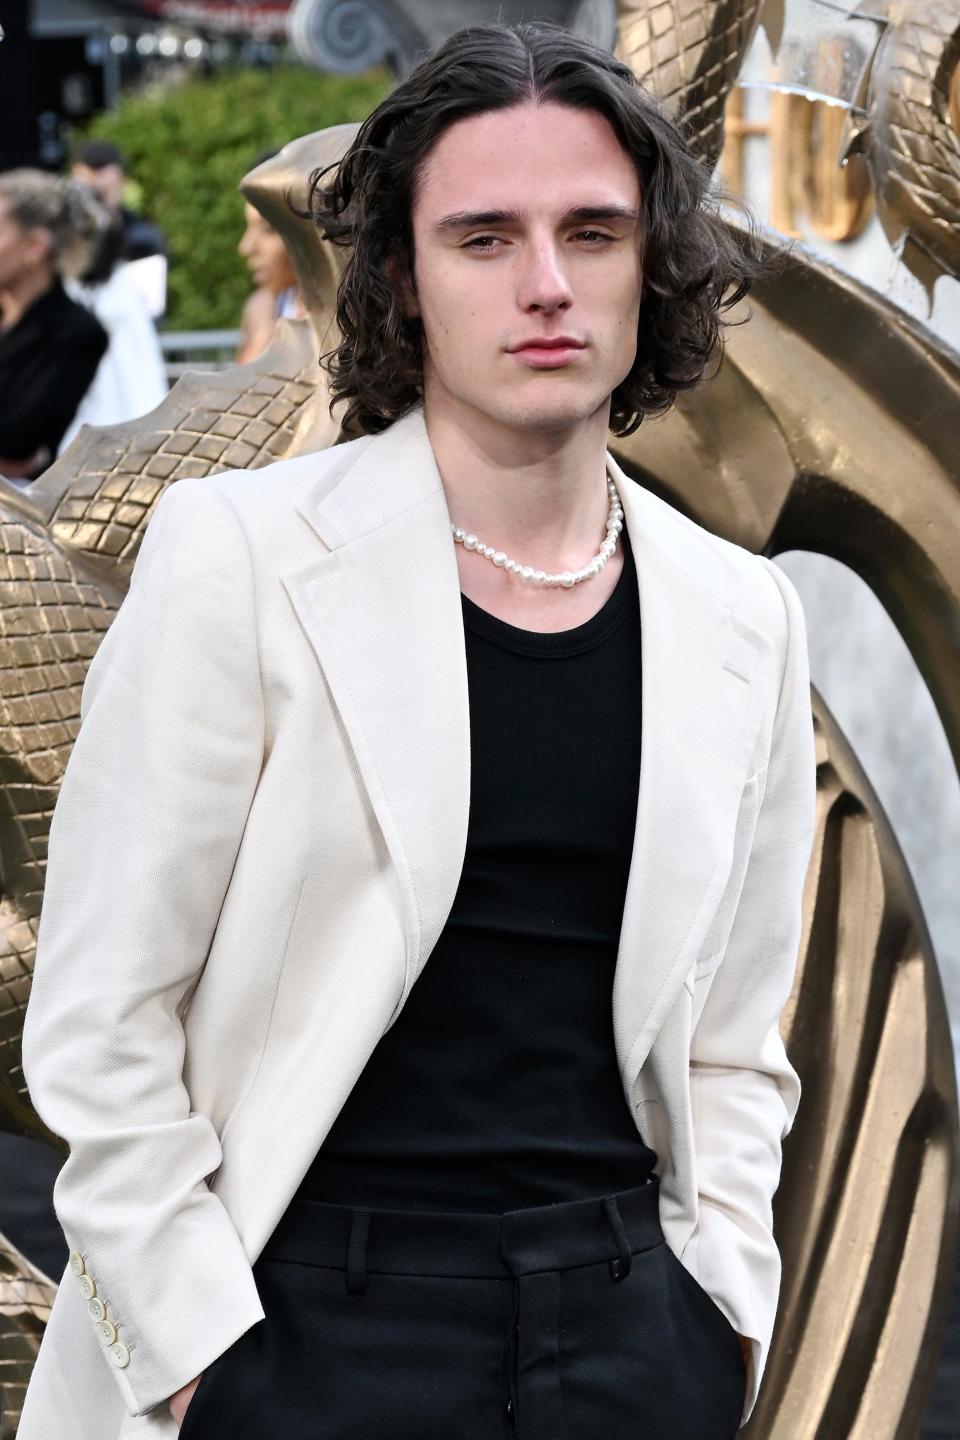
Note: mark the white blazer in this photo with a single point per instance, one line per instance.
(259, 838)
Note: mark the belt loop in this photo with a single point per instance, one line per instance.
(619, 1268)
(357, 1252)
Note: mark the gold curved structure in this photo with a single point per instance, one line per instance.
(911, 133)
(689, 55)
(826, 401)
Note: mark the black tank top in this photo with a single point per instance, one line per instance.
(497, 1085)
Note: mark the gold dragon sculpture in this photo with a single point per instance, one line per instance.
(830, 427)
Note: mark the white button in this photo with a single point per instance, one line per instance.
(87, 1288)
(96, 1309)
(120, 1355)
(76, 1262)
(107, 1332)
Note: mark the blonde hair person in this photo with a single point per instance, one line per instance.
(50, 346)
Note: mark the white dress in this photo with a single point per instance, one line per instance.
(130, 379)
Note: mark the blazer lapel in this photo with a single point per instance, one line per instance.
(699, 720)
(382, 611)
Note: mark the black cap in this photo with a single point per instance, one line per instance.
(98, 154)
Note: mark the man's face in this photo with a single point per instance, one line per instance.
(526, 227)
(108, 182)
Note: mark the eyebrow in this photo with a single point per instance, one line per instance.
(467, 219)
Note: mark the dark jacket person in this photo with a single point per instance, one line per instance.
(50, 346)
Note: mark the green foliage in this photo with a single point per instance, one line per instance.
(188, 149)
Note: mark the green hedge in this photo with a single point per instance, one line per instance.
(188, 148)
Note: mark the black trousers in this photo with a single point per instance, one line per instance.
(556, 1322)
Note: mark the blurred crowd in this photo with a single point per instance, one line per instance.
(83, 283)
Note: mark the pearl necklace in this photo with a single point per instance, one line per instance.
(569, 578)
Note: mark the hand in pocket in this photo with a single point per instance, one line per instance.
(179, 1401)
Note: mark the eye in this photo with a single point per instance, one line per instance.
(597, 235)
(477, 243)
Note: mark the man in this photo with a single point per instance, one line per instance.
(143, 246)
(417, 1047)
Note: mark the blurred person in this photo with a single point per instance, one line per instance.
(102, 166)
(131, 378)
(277, 295)
(50, 346)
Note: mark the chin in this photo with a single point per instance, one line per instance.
(554, 415)
(549, 406)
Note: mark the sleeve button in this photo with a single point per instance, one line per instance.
(120, 1355)
(76, 1262)
(87, 1288)
(96, 1309)
(107, 1332)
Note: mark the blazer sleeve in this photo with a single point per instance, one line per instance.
(744, 1091)
(38, 410)
(142, 846)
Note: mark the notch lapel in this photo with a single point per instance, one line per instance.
(700, 716)
(382, 611)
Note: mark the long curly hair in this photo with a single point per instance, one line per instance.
(694, 263)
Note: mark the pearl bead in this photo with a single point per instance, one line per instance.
(566, 578)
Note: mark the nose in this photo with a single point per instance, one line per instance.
(543, 283)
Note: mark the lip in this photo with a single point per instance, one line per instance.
(548, 354)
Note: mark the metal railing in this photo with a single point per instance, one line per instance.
(185, 350)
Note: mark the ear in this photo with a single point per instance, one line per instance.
(402, 282)
(37, 246)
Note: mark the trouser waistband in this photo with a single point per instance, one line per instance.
(469, 1244)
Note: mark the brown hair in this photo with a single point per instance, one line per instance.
(695, 264)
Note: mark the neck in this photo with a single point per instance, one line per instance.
(539, 495)
(16, 298)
